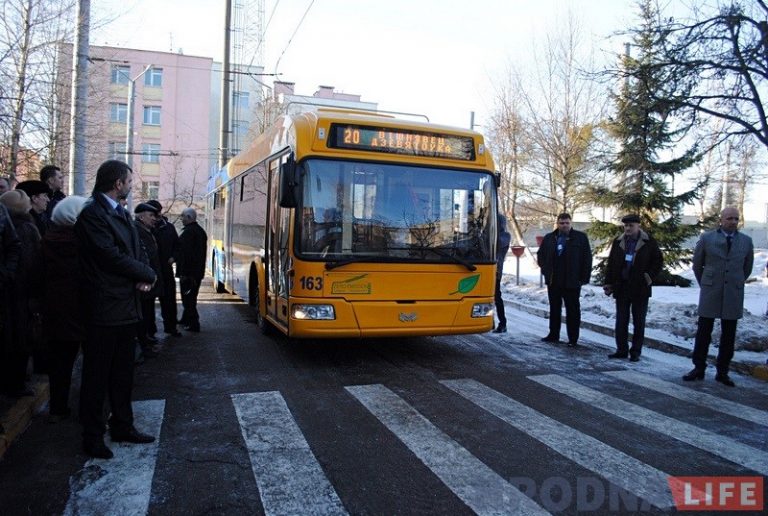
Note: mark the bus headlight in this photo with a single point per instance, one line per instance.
(482, 310)
(316, 312)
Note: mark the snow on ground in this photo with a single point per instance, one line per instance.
(672, 310)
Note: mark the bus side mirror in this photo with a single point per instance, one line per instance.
(497, 179)
(289, 180)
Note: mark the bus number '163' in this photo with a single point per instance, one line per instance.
(311, 282)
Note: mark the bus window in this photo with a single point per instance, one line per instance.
(394, 212)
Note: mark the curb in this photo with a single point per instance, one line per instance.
(751, 369)
(17, 418)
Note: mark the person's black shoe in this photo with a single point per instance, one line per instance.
(550, 338)
(97, 450)
(694, 374)
(573, 344)
(618, 355)
(193, 328)
(501, 328)
(724, 379)
(132, 436)
(634, 358)
(173, 333)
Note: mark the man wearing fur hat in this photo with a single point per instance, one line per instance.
(115, 273)
(39, 195)
(634, 262)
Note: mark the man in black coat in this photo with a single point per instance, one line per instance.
(634, 262)
(114, 273)
(190, 268)
(146, 218)
(53, 178)
(503, 239)
(167, 248)
(565, 259)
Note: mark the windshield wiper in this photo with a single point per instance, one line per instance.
(341, 263)
(469, 265)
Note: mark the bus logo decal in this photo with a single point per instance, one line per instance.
(466, 285)
(349, 286)
(411, 317)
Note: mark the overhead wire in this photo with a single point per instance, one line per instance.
(277, 64)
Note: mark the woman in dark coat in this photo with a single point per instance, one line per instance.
(25, 291)
(63, 315)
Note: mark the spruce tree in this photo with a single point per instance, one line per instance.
(649, 157)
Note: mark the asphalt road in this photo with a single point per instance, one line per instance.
(249, 424)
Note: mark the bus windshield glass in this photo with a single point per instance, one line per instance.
(353, 211)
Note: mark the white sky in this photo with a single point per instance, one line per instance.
(440, 58)
(435, 57)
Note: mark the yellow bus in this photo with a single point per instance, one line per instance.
(342, 223)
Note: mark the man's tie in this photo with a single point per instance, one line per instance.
(728, 240)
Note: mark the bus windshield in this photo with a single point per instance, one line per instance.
(353, 211)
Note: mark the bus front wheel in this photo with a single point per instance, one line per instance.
(254, 299)
(220, 289)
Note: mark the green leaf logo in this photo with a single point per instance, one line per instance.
(466, 284)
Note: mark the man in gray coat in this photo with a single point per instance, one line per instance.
(722, 262)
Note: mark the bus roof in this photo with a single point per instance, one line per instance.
(307, 134)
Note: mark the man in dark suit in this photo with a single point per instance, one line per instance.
(503, 239)
(190, 268)
(722, 262)
(167, 249)
(114, 273)
(565, 259)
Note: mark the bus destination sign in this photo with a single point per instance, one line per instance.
(401, 141)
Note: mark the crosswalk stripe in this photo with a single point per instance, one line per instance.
(693, 396)
(289, 478)
(482, 489)
(122, 484)
(619, 468)
(725, 447)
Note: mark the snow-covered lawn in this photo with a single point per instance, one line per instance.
(672, 310)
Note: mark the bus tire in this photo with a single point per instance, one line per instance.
(220, 289)
(254, 300)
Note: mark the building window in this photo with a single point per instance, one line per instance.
(118, 112)
(150, 189)
(154, 77)
(120, 74)
(116, 150)
(240, 99)
(151, 115)
(150, 153)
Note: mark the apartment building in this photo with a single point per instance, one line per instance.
(170, 151)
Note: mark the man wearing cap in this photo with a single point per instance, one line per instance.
(722, 263)
(146, 218)
(167, 249)
(634, 262)
(39, 194)
(53, 178)
(114, 273)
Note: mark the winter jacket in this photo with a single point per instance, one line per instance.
(63, 311)
(149, 247)
(576, 262)
(722, 273)
(10, 250)
(647, 263)
(193, 246)
(26, 288)
(111, 264)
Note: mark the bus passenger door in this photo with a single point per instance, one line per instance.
(278, 258)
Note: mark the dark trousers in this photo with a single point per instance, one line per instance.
(704, 338)
(168, 300)
(108, 355)
(569, 296)
(189, 289)
(498, 300)
(62, 359)
(146, 326)
(639, 309)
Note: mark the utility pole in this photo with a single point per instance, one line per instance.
(224, 120)
(79, 100)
